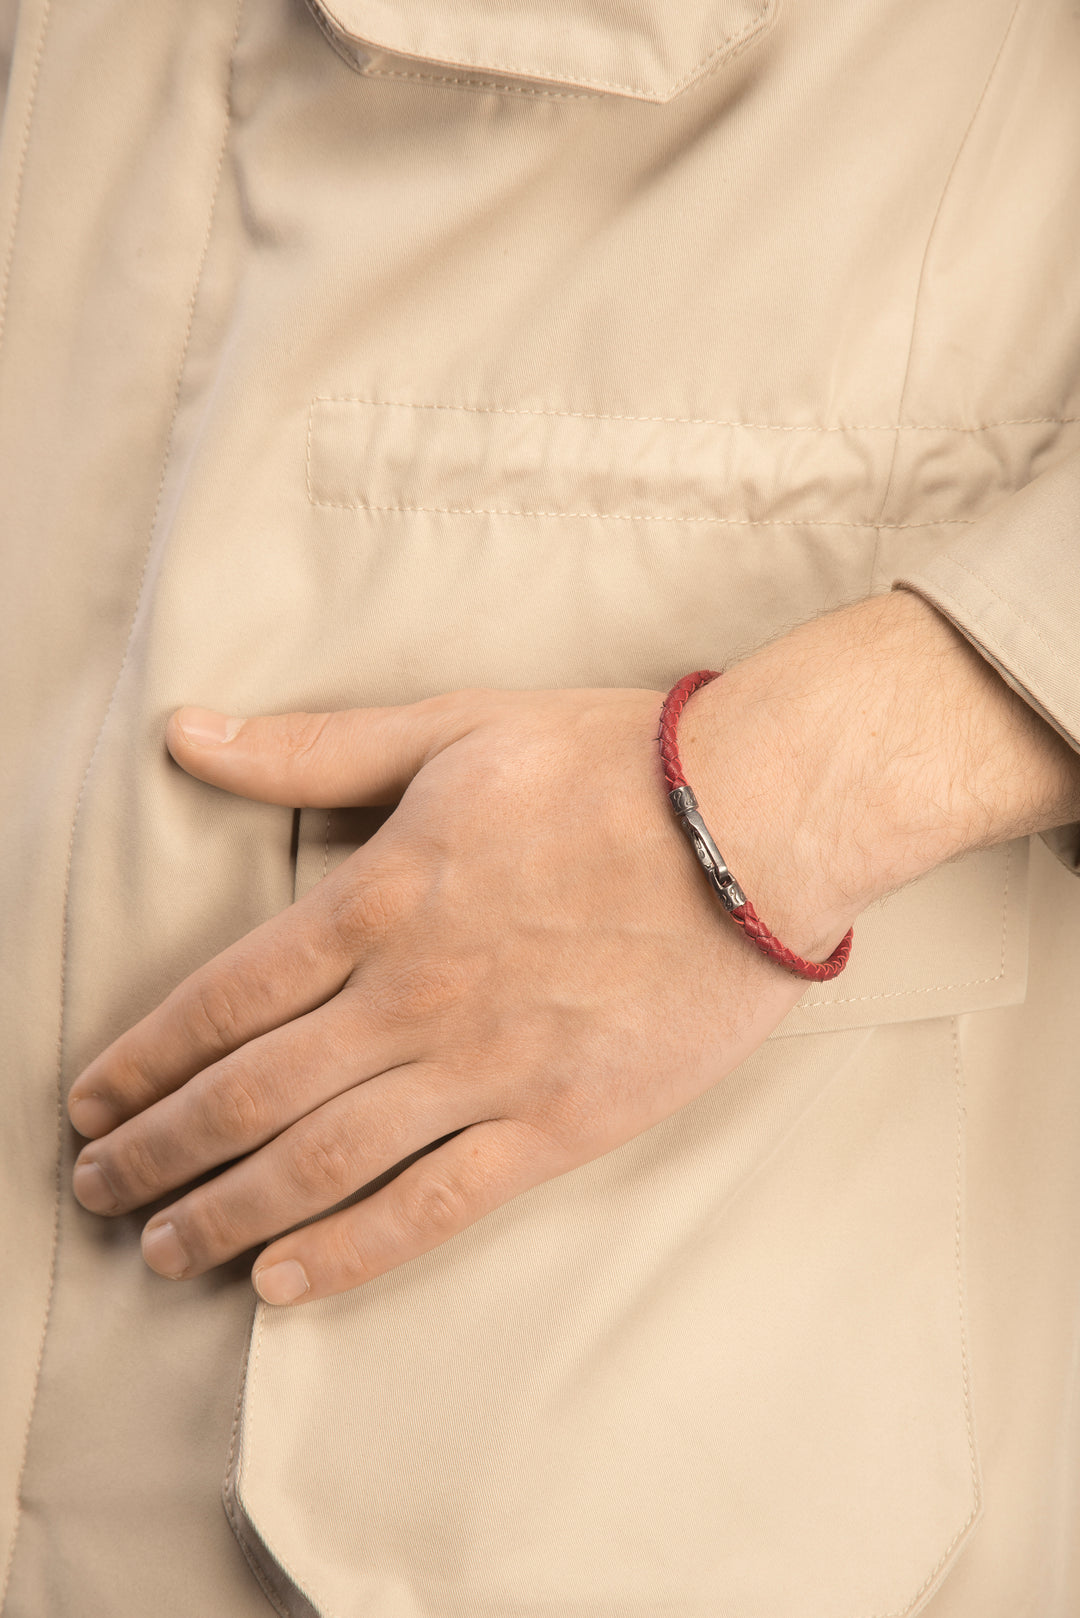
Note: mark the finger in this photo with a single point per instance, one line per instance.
(292, 963)
(430, 1201)
(317, 1163)
(235, 1106)
(357, 756)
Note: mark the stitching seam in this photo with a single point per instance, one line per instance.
(326, 844)
(1019, 616)
(638, 516)
(941, 988)
(1034, 693)
(938, 211)
(5, 283)
(965, 1371)
(479, 84)
(701, 421)
(275, 1556)
(358, 64)
(728, 47)
(24, 148)
(616, 516)
(82, 790)
(230, 1503)
(9, 1561)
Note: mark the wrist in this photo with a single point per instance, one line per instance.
(770, 812)
(858, 752)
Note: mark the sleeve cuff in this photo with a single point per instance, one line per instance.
(1011, 585)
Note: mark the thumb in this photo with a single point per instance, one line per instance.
(325, 760)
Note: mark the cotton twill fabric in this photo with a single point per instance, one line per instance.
(1008, 586)
(359, 353)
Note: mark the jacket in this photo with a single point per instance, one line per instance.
(357, 352)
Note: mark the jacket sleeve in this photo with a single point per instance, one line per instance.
(1011, 584)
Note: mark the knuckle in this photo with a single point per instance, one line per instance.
(300, 733)
(358, 913)
(322, 1164)
(346, 1257)
(215, 1012)
(570, 1113)
(124, 1077)
(124, 1090)
(432, 1205)
(132, 1169)
(128, 1087)
(210, 1229)
(230, 1109)
(455, 713)
(419, 992)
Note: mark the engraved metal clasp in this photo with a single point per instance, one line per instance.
(712, 861)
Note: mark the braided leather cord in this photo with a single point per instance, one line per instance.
(745, 916)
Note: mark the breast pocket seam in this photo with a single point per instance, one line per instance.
(965, 1366)
(970, 983)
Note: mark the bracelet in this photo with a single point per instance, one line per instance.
(732, 896)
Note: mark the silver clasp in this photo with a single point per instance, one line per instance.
(712, 861)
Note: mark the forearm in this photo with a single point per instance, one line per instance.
(859, 751)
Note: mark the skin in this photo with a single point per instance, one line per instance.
(526, 963)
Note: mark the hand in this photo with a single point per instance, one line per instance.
(525, 964)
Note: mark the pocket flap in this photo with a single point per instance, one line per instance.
(955, 941)
(637, 48)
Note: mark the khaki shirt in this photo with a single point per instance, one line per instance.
(375, 349)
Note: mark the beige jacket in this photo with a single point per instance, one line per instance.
(392, 346)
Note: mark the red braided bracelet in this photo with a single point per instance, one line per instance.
(732, 897)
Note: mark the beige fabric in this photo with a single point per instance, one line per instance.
(635, 48)
(1010, 587)
(8, 17)
(1021, 617)
(356, 356)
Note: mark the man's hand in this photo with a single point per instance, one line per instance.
(525, 964)
(526, 953)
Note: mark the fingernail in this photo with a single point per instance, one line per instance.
(281, 1283)
(92, 1189)
(163, 1250)
(91, 1116)
(206, 728)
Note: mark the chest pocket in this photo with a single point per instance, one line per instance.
(633, 48)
